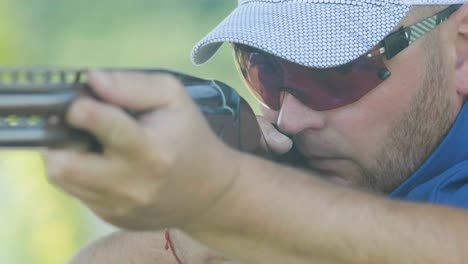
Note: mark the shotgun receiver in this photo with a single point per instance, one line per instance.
(33, 103)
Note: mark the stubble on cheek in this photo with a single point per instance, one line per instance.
(412, 139)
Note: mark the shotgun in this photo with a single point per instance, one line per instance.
(33, 103)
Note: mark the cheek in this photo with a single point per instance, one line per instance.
(366, 123)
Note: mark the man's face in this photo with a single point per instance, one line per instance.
(380, 140)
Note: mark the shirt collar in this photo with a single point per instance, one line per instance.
(452, 150)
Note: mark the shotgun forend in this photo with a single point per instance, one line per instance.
(33, 103)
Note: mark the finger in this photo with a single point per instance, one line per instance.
(114, 128)
(85, 195)
(74, 171)
(138, 91)
(269, 114)
(274, 141)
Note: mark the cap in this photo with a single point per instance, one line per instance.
(314, 33)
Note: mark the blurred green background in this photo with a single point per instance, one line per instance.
(38, 223)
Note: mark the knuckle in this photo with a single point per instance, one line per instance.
(118, 135)
(75, 111)
(159, 163)
(83, 113)
(142, 199)
(138, 198)
(170, 82)
(122, 81)
(118, 78)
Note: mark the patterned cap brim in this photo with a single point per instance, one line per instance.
(311, 34)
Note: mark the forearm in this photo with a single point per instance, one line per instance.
(313, 221)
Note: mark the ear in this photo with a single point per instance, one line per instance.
(461, 72)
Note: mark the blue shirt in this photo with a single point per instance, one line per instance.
(443, 177)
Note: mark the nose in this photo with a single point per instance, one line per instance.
(294, 116)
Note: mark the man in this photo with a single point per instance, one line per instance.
(399, 128)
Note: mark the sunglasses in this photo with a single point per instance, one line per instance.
(270, 78)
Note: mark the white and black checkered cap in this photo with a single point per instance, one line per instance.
(314, 33)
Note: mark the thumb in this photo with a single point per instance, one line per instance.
(274, 141)
(138, 91)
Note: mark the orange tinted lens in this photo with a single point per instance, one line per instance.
(268, 77)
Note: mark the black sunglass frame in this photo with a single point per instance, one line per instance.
(399, 40)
